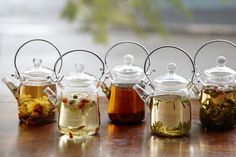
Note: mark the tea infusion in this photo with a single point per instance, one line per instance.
(79, 114)
(170, 115)
(218, 107)
(34, 106)
(125, 105)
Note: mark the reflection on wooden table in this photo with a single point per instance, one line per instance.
(112, 140)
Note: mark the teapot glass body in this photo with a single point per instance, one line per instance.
(79, 111)
(125, 105)
(218, 97)
(168, 98)
(78, 103)
(33, 104)
(170, 105)
(34, 107)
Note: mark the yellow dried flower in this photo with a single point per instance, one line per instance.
(34, 106)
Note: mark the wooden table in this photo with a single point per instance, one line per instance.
(112, 140)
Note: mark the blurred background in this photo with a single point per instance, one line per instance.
(98, 24)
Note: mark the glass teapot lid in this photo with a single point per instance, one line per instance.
(127, 73)
(220, 73)
(79, 78)
(171, 80)
(37, 72)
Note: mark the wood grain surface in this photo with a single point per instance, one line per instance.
(112, 141)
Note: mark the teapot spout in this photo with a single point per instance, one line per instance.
(194, 89)
(144, 95)
(51, 96)
(11, 86)
(106, 90)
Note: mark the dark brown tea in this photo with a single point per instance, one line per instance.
(125, 105)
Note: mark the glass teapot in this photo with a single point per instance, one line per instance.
(168, 99)
(218, 93)
(125, 106)
(34, 108)
(78, 103)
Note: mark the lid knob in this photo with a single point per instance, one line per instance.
(79, 67)
(171, 67)
(37, 62)
(221, 61)
(128, 59)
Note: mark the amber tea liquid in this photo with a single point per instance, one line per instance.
(125, 105)
(218, 107)
(34, 106)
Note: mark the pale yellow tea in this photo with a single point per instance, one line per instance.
(170, 115)
(79, 114)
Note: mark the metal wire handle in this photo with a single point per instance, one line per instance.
(42, 40)
(125, 42)
(81, 50)
(168, 46)
(207, 43)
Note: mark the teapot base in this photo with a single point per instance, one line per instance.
(183, 129)
(127, 118)
(31, 121)
(78, 132)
